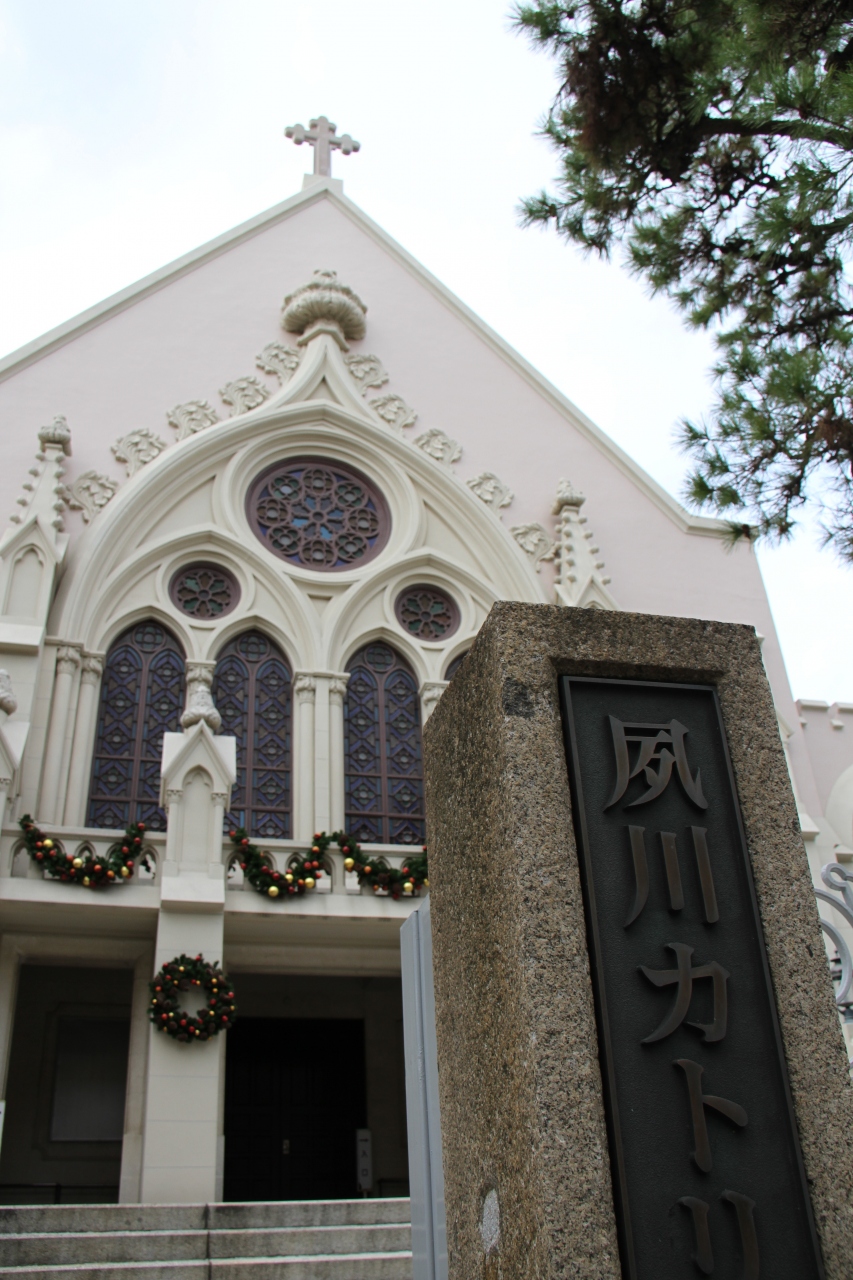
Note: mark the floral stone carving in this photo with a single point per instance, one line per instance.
(279, 360)
(200, 705)
(439, 446)
(394, 411)
(191, 417)
(89, 493)
(8, 701)
(367, 371)
(536, 541)
(137, 448)
(324, 305)
(244, 394)
(491, 490)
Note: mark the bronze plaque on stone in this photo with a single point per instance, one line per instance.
(708, 1176)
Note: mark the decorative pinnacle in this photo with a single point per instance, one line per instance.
(322, 135)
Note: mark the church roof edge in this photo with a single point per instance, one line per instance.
(330, 188)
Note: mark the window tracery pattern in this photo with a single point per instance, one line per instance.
(252, 692)
(382, 749)
(142, 696)
(426, 613)
(204, 591)
(318, 514)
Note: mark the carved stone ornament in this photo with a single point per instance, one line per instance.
(536, 541)
(67, 659)
(324, 305)
(439, 446)
(191, 417)
(89, 493)
(567, 496)
(367, 371)
(58, 433)
(244, 394)
(338, 687)
(394, 411)
(305, 688)
(431, 691)
(491, 490)
(137, 448)
(8, 701)
(200, 705)
(279, 360)
(93, 668)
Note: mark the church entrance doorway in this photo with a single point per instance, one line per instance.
(294, 1098)
(311, 1059)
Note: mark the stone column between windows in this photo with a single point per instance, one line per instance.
(337, 764)
(83, 739)
(302, 764)
(322, 813)
(67, 663)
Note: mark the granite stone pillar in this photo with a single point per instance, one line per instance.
(529, 1186)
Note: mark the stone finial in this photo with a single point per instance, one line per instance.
(200, 705)
(567, 496)
(58, 433)
(8, 701)
(323, 136)
(324, 306)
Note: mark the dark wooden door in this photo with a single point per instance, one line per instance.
(294, 1097)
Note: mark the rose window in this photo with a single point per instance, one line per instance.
(204, 591)
(426, 613)
(318, 514)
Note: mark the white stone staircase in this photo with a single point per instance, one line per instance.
(290, 1240)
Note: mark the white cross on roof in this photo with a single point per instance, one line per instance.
(323, 138)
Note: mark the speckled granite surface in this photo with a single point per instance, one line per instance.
(518, 1059)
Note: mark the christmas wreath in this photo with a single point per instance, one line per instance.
(180, 975)
(90, 871)
(304, 870)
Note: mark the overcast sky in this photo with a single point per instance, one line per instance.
(133, 130)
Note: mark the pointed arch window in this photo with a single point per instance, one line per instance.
(382, 746)
(142, 697)
(252, 692)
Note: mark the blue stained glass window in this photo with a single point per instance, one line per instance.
(252, 692)
(142, 697)
(382, 746)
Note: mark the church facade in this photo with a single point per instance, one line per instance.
(250, 543)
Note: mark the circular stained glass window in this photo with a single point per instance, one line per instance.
(426, 613)
(318, 514)
(204, 591)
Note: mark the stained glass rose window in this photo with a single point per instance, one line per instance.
(204, 591)
(426, 613)
(318, 514)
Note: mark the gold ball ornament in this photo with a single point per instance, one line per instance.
(48, 844)
(426, 884)
(125, 872)
(78, 862)
(408, 887)
(86, 881)
(349, 863)
(309, 882)
(289, 877)
(273, 891)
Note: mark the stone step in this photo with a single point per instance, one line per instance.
(67, 1218)
(339, 1266)
(77, 1248)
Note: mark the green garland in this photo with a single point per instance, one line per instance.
(304, 870)
(91, 872)
(180, 975)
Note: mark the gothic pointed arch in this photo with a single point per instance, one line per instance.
(252, 688)
(142, 696)
(382, 749)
